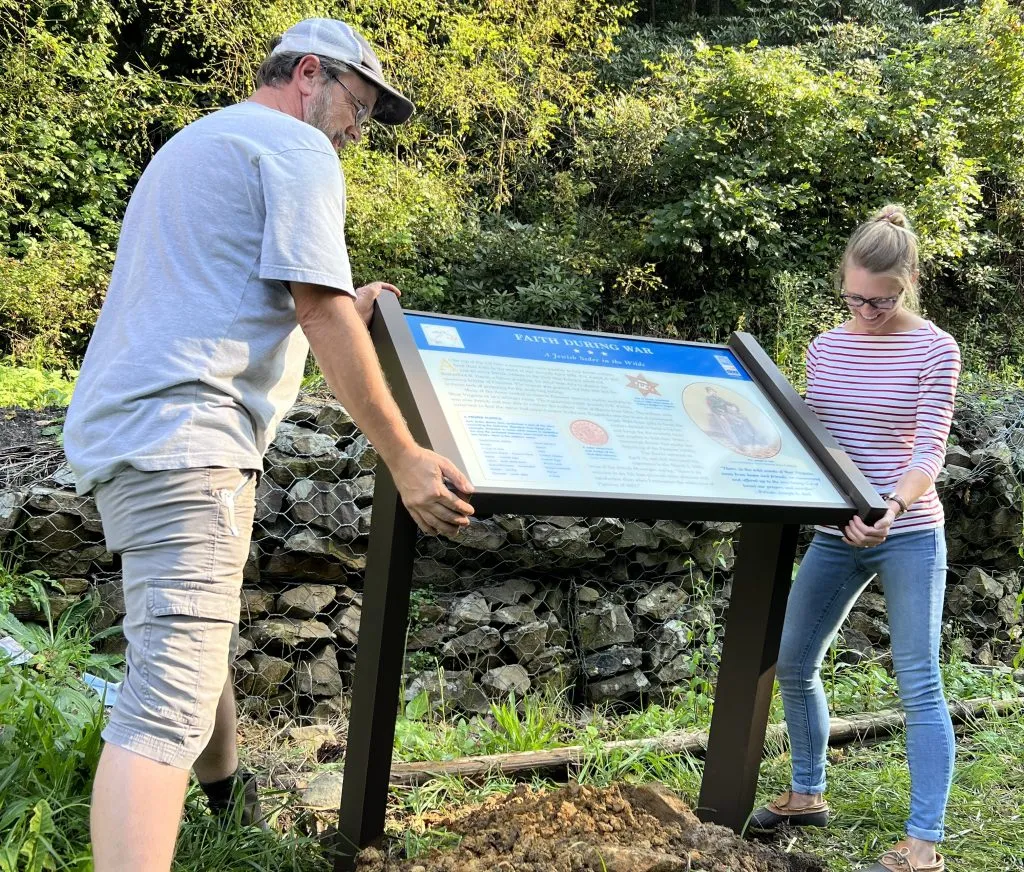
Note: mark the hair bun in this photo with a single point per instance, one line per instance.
(893, 215)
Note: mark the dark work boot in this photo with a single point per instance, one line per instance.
(235, 798)
(778, 813)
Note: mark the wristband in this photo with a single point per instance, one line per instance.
(896, 498)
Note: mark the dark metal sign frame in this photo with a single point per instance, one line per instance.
(753, 628)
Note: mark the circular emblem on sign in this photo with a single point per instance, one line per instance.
(732, 420)
(588, 432)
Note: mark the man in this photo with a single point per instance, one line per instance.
(231, 265)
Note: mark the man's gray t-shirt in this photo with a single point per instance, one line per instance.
(197, 353)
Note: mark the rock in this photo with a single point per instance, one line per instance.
(289, 634)
(285, 469)
(362, 489)
(726, 528)
(636, 534)
(256, 603)
(329, 506)
(324, 792)
(320, 676)
(362, 455)
(955, 473)
(11, 503)
(606, 531)
(514, 615)
(618, 687)
(712, 552)
(269, 499)
(306, 600)
(332, 418)
(1009, 610)
(345, 626)
(482, 536)
(473, 645)
(427, 638)
(612, 661)
(448, 688)
(330, 710)
(513, 525)
(310, 738)
(267, 676)
(662, 602)
(670, 641)
(305, 555)
(558, 679)
(509, 593)
(243, 647)
(51, 500)
(677, 671)
(956, 456)
(58, 533)
(606, 625)
(242, 674)
(983, 585)
(874, 629)
(674, 533)
(504, 680)
(74, 585)
(855, 646)
(873, 604)
(303, 415)
(470, 611)
(526, 641)
(60, 603)
(984, 655)
(569, 542)
(431, 573)
(959, 600)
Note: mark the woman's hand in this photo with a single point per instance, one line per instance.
(861, 535)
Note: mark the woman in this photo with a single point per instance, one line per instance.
(883, 384)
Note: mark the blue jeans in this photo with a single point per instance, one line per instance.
(912, 570)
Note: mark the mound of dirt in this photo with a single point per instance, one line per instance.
(578, 829)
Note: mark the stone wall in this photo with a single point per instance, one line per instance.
(610, 609)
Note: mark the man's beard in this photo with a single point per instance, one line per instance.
(319, 113)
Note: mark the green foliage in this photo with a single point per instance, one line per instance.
(564, 167)
(32, 388)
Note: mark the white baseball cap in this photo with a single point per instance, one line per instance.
(336, 40)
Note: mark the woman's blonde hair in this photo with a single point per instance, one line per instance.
(885, 244)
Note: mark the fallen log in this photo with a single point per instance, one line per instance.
(852, 728)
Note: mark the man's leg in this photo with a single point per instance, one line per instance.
(219, 759)
(183, 537)
(122, 837)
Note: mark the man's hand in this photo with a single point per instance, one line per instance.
(420, 477)
(367, 294)
(860, 535)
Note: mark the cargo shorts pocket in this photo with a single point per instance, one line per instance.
(187, 642)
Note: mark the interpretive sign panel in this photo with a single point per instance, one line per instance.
(545, 410)
(561, 422)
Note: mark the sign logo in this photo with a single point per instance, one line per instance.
(726, 363)
(643, 385)
(442, 335)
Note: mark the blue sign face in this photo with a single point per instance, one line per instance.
(528, 343)
(573, 412)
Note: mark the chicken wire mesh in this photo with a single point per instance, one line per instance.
(603, 610)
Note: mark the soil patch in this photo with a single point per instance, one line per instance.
(23, 428)
(579, 829)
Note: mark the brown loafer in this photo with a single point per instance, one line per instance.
(897, 859)
(779, 813)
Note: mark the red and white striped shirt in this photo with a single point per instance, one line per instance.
(888, 401)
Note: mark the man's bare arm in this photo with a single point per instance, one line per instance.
(342, 347)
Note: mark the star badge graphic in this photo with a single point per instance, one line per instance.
(643, 385)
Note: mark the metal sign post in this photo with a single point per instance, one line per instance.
(764, 561)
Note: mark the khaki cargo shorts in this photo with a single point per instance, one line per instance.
(183, 536)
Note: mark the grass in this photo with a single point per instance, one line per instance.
(49, 745)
